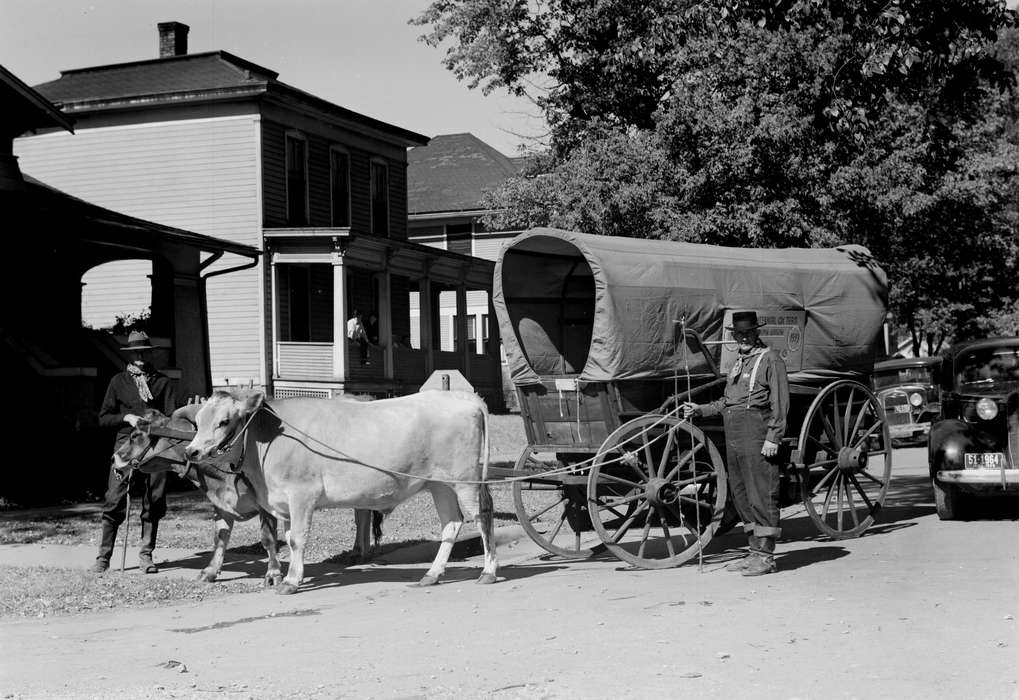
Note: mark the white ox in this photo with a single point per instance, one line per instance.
(303, 454)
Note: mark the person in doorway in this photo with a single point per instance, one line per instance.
(371, 329)
(753, 409)
(357, 333)
(139, 387)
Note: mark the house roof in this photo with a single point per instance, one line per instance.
(452, 173)
(26, 109)
(41, 203)
(190, 78)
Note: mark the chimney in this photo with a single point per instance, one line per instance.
(173, 39)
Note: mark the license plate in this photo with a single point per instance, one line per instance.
(904, 408)
(985, 460)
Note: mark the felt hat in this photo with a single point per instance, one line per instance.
(138, 340)
(743, 321)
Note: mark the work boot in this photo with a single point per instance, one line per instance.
(762, 561)
(145, 563)
(741, 563)
(106, 543)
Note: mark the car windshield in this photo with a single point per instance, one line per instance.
(988, 370)
(905, 375)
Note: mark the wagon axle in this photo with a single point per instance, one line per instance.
(660, 492)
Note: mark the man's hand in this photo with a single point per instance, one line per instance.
(131, 419)
(690, 409)
(769, 449)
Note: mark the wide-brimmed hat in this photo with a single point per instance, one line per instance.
(743, 321)
(138, 340)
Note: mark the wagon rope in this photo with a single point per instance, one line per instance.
(569, 469)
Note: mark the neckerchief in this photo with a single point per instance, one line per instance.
(741, 360)
(141, 381)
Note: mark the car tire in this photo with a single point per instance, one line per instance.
(947, 501)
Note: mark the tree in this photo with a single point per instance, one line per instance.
(770, 123)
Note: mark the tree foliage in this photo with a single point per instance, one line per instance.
(771, 123)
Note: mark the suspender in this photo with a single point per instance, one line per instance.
(753, 375)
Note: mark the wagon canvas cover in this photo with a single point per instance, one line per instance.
(605, 308)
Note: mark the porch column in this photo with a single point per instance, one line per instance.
(425, 313)
(190, 335)
(461, 329)
(341, 358)
(274, 294)
(386, 323)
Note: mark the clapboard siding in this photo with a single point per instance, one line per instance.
(305, 360)
(200, 175)
(119, 288)
(274, 200)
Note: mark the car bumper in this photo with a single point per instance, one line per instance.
(981, 479)
(909, 431)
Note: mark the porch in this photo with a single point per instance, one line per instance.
(424, 309)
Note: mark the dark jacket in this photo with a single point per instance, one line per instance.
(122, 397)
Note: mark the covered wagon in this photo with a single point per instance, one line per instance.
(605, 336)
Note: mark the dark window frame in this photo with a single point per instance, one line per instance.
(295, 216)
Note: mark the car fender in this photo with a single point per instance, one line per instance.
(949, 440)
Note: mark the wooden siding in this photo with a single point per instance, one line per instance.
(305, 360)
(117, 288)
(319, 205)
(200, 175)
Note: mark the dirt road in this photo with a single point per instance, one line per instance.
(915, 608)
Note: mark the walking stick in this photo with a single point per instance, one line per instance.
(127, 527)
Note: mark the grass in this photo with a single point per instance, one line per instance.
(189, 524)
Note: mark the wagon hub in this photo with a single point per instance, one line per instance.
(660, 492)
(852, 459)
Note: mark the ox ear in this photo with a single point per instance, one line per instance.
(251, 400)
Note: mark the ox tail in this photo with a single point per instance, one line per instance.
(484, 494)
(377, 517)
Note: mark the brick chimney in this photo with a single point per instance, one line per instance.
(173, 39)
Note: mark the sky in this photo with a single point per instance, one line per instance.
(360, 54)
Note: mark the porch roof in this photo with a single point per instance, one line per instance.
(405, 258)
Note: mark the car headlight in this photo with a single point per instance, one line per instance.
(987, 408)
(915, 399)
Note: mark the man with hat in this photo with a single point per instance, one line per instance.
(753, 409)
(130, 393)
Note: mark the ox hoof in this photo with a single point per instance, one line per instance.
(286, 588)
(207, 576)
(428, 580)
(486, 578)
(272, 580)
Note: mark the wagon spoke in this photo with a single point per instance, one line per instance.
(558, 527)
(828, 495)
(847, 415)
(835, 416)
(823, 463)
(863, 494)
(850, 504)
(839, 496)
(644, 536)
(617, 480)
(649, 459)
(829, 430)
(824, 480)
(620, 501)
(541, 512)
(668, 537)
(686, 457)
(666, 452)
(873, 478)
(859, 418)
(868, 432)
(628, 522)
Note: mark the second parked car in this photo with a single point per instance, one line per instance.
(974, 449)
(909, 392)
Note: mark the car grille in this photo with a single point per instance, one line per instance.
(892, 400)
(1013, 430)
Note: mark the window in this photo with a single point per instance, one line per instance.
(458, 238)
(339, 186)
(297, 181)
(472, 334)
(380, 198)
(484, 329)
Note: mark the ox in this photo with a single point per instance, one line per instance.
(303, 454)
(232, 498)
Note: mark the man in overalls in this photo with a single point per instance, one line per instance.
(753, 409)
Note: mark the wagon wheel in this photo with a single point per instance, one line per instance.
(673, 480)
(553, 513)
(847, 459)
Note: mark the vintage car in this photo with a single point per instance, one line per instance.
(909, 391)
(974, 448)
